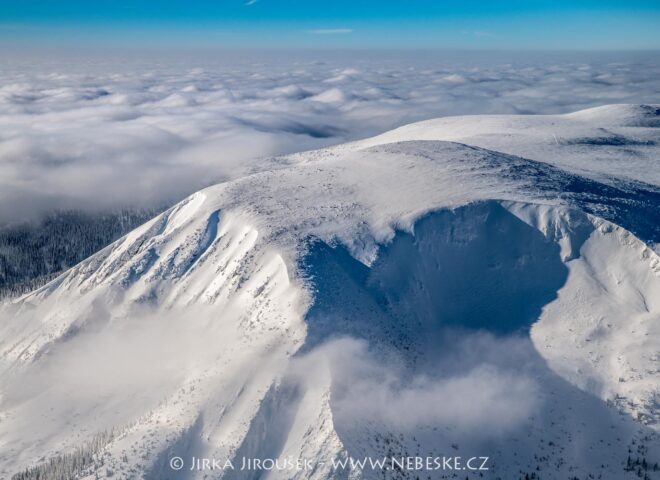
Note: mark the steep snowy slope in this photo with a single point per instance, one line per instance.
(400, 296)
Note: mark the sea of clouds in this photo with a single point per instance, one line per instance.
(104, 130)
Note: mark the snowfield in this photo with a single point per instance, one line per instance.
(481, 286)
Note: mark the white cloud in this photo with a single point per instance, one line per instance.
(377, 387)
(101, 132)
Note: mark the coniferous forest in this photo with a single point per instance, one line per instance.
(31, 254)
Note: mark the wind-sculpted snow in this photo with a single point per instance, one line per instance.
(399, 296)
(97, 133)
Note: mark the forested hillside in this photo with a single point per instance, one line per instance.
(33, 253)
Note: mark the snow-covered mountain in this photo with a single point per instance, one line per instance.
(484, 286)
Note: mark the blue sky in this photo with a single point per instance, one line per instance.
(472, 24)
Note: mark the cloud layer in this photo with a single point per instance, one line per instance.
(103, 131)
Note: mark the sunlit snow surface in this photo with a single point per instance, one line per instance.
(99, 130)
(474, 286)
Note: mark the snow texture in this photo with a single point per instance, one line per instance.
(474, 286)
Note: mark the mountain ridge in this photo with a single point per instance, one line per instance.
(249, 318)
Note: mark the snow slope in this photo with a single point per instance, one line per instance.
(474, 286)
